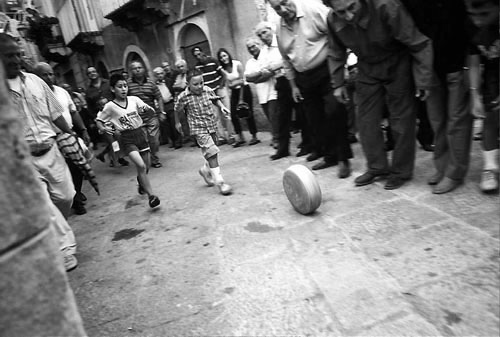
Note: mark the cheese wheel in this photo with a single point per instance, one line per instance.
(302, 189)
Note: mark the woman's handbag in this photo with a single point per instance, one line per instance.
(242, 109)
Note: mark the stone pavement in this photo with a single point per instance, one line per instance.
(369, 262)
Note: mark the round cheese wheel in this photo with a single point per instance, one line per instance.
(302, 189)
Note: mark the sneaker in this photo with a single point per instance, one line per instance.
(224, 188)
(153, 201)
(207, 175)
(489, 181)
(70, 262)
(156, 165)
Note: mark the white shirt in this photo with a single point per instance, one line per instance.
(166, 95)
(124, 117)
(234, 74)
(37, 106)
(66, 102)
(265, 90)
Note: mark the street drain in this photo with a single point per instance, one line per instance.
(126, 234)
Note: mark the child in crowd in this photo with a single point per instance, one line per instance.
(197, 101)
(110, 139)
(123, 113)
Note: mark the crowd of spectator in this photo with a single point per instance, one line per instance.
(425, 69)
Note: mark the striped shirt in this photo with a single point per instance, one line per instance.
(37, 106)
(211, 70)
(147, 91)
(199, 110)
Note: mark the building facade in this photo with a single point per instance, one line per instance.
(109, 34)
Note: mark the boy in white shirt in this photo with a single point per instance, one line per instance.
(123, 113)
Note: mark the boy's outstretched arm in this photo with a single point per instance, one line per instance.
(178, 108)
(222, 107)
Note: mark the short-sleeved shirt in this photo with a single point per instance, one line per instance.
(147, 91)
(67, 104)
(199, 110)
(211, 71)
(37, 106)
(123, 117)
(304, 44)
(265, 90)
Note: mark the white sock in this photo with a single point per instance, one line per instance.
(490, 160)
(216, 174)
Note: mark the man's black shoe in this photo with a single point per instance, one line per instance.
(279, 155)
(428, 147)
(313, 156)
(302, 152)
(394, 182)
(369, 178)
(323, 165)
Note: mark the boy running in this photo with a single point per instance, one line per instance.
(123, 113)
(197, 102)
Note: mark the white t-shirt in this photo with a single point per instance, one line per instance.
(234, 74)
(265, 90)
(123, 117)
(66, 102)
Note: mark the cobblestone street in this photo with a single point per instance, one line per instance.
(369, 262)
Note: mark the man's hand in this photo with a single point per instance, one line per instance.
(341, 94)
(478, 107)
(85, 137)
(162, 116)
(178, 127)
(422, 94)
(226, 112)
(297, 95)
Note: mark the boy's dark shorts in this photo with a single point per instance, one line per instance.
(134, 140)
